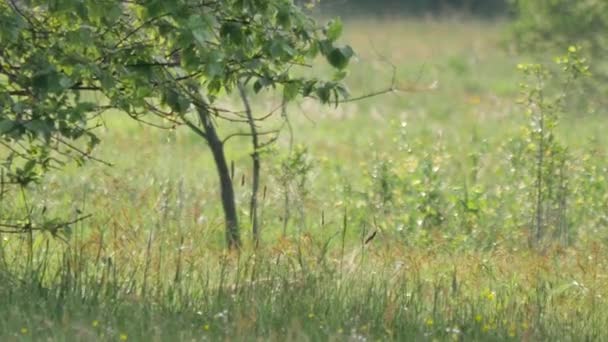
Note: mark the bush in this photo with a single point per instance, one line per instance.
(543, 24)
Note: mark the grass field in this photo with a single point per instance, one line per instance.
(444, 171)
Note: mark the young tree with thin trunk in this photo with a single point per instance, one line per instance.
(149, 58)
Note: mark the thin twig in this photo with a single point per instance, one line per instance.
(244, 134)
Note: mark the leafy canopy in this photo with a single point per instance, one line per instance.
(143, 57)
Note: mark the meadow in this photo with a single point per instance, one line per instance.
(441, 172)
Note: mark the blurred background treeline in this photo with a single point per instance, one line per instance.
(532, 26)
(489, 8)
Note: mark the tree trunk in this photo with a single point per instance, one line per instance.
(253, 206)
(216, 145)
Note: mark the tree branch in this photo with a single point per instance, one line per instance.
(245, 134)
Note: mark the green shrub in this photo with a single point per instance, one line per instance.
(542, 24)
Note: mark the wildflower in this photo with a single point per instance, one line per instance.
(123, 337)
(474, 100)
(429, 322)
(453, 330)
(491, 295)
(206, 327)
(24, 331)
(311, 315)
(95, 323)
(478, 318)
(221, 315)
(486, 328)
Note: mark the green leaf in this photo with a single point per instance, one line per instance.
(260, 83)
(82, 11)
(113, 13)
(232, 31)
(284, 17)
(339, 57)
(65, 82)
(257, 86)
(176, 101)
(106, 79)
(313, 51)
(325, 46)
(214, 64)
(153, 8)
(291, 90)
(164, 27)
(309, 87)
(333, 31)
(189, 59)
(199, 29)
(324, 93)
(339, 75)
(29, 167)
(215, 69)
(40, 128)
(280, 49)
(6, 126)
(342, 91)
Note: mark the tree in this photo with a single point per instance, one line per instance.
(542, 24)
(148, 58)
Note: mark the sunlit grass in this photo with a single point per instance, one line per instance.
(432, 168)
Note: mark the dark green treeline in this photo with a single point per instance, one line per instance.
(416, 7)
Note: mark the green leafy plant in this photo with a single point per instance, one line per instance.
(293, 175)
(542, 24)
(162, 63)
(549, 157)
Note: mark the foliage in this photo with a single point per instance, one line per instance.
(553, 25)
(545, 24)
(137, 269)
(37, 114)
(550, 158)
(292, 174)
(168, 59)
